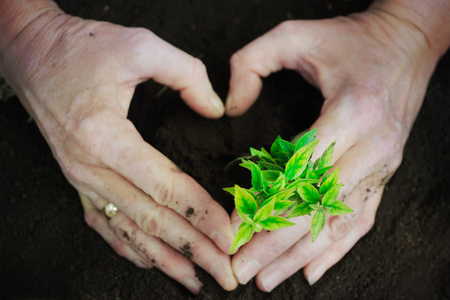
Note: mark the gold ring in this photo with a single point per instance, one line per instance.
(110, 210)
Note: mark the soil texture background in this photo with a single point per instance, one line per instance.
(48, 252)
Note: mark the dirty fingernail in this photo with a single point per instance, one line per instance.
(192, 285)
(247, 270)
(271, 280)
(217, 104)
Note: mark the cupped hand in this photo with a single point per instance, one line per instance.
(373, 69)
(77, 78)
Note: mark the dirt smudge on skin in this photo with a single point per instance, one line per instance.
(189, 212)
(187, 250)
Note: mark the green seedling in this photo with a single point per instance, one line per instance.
(287, 184)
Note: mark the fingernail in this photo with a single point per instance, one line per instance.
(229, 103)
(192, 285)
(225, 277)
(247, 270)
(271, 280)
(316, 274)
(217, 104)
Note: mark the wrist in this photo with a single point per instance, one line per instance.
(16, 15)
(428, 18)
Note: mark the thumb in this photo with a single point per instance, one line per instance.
(284, 46)
(154, 58)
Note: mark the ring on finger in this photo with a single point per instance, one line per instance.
(110, 210)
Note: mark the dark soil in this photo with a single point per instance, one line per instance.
(47, 250)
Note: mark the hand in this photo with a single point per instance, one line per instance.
(77, 79)
(372, 69)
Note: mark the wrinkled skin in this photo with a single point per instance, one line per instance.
(373, 70)
(77, 78)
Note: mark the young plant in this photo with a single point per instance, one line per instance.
(286, 180)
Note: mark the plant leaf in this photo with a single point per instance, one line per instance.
(299, 161)
(319, 172)
(265, 211)
(309, 193)
(281, 149)
(327, 157)
(300, 210)
(311, 175)
(317, 224)
(244, 201)
(229, 190)
(281, 204)
(337, 208)
(261, 154)
(271, 166)
(275, 222)
(307, 138)
(243, 235)
(329, 182)
(331, 195)
(270, 175)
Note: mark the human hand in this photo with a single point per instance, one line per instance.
(77, 78)
(372, 69)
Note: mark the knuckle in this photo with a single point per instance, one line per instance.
(237, 59)
(340, 226)
(163, 192)
(287, 26)
(152, 221)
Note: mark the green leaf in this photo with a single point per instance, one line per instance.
(271, 175)
(309, 193)
(275, 222)
(281, 204)
(329, 182)
(337, 208)
(281, 149)
(261, 154)
(307, 138)
(300, 210)
(321, 171)
(244, 234)
(299, 161)
(256, 227)
(311, 175)
(264, 211)
(271, 166)
(278, 185)
(229, 190)
(257, 178)
(244, 201)
(317, 224)
(331, 195)
(327, 157)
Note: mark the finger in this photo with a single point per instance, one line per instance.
(165, 224)
(154, 58)
(316, 268)
(144, 250)
(157, 253)
(266, 247)
(337, 229)
(97, 221)
(279, 48)
(159, 178)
